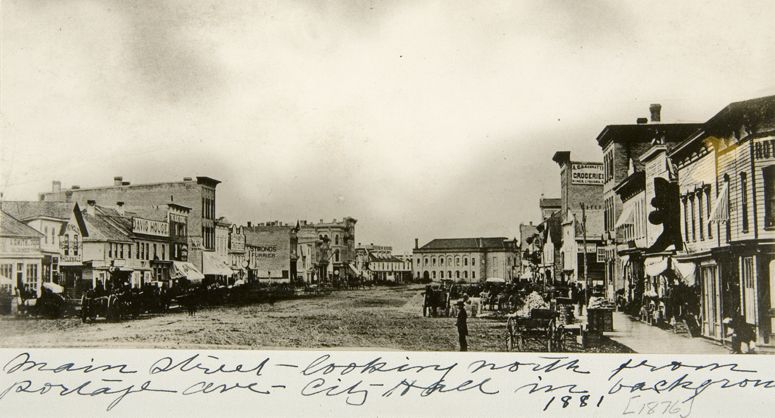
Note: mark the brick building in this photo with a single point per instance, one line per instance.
(197, 194)
(581, 184)
(466, 259)
(622, 146)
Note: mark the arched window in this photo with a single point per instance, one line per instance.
(441, 261)
(457, 274)
(457, 261)
(465, 274)
(336, 256)
(465, 261)
(336, 239)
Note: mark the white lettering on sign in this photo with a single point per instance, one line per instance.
(149, 227)
(586, 173)
(591, 248)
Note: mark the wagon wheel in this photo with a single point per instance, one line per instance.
(550, 335)
(520, 340)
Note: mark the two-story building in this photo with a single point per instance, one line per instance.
(466, 259)
(727, 186)
(21, 259)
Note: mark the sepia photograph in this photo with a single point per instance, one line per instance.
(413, 176)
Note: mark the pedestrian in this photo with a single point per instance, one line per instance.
(462, 325)
(741, 332)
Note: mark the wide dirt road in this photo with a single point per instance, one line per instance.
(380, 318)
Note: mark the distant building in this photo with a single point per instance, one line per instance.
(328, 248)
(581, 185)
(529, 247)
(48, 218)
(378, 263)
(271, 251)
(466, 259)
(549, 206)
(197, 194)
(20, 257)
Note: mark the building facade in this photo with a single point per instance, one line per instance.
(727, 191)
(622, 147)
(466, 259)
(198, 194)
(21, 258)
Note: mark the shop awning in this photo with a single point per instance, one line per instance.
(655, 266)
(215, 265)
(686, 272)
(719, 212)
(626, 218)
(184, 270)
(624, 259)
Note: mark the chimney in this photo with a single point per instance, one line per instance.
(56, 186)
(91, 204)
(249, 225)
(125, 183)
(187, 179)
(641, 121)
(416, 243)
(117, 180)
(655, 110)
(120, 208)
(75, 187)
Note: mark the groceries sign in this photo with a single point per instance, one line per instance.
(586, 173)
(149, 227)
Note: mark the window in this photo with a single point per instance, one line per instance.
(147, 251)
(336, 239)
(465, 261)
(31, 284)
(769, 196)
(701, 216)
(685, 203)
(336, 256)
(110, 250)
(694, 227)
(473, 261)
(707, 209)
(441, 261)
(729, 206)
(45, 234)
(426, 261)
(163, 252)
(465, 274)
(155, 256)
(433, 261)
(457, 261)
(744, 200)
(449, 274)
(473, 274)
(457, 274)
(75, 244)
(433, 274)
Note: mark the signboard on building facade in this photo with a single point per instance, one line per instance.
(586, 173)
(591, 248)
(19, 245)
(149, 227)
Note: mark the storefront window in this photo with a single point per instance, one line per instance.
(31, 284)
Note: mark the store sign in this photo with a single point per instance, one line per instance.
(591, 248)
(237, 243)
(68, 260)
(268, 251)
(764, 149)
(586, 173)
(149, 227)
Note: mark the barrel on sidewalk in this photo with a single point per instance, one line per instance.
(600, 320)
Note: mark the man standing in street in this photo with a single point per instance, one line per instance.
(462, 325)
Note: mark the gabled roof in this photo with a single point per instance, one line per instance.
(27, 210)
(107, 225)
(469, 243)
(12, 227)
(743, 112)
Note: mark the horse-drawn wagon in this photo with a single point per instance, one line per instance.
(539, 326)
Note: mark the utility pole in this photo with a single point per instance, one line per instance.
(584, 257)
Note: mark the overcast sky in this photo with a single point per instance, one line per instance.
(418, 118)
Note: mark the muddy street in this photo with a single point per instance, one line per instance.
(382, 318)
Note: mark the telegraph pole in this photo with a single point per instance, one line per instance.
(584, 257)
